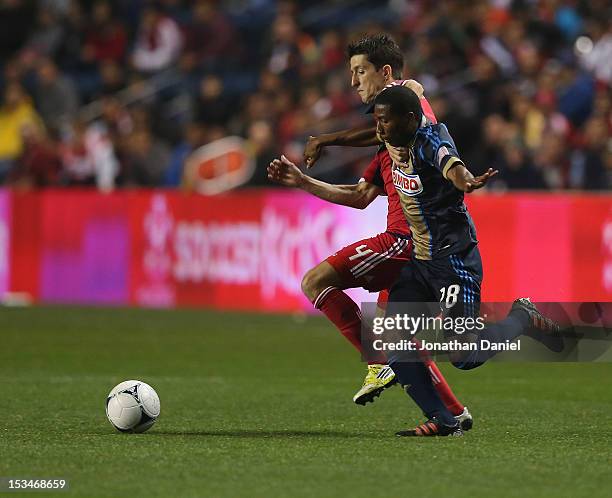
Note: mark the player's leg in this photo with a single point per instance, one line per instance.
(523, 319)
(379, 375)
(461, 293)
(323, 285)
(350, 267)
(374, 264)
(356, 266)
(409, 369)
(439, 381)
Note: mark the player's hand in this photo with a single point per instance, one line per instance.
(312, 151)
(286, 173)
(480, 181)
(415, 86)
(397, 154)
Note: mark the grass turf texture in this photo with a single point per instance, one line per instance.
(256, 405)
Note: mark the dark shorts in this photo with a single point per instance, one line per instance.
(453, 281)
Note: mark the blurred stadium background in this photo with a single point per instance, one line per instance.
(115, 112)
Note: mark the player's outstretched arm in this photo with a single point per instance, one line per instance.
(355, 137)
(358, 196)
(465, 181)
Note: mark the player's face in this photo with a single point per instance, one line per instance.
(366, 79)
(396, 130)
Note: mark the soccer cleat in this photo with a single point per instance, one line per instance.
(432, 428)
(378, 378)
(542, 328)
(465, 419)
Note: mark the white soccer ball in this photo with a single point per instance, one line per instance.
(132, 406)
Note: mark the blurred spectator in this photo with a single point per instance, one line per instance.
(56, 96)
(117, 120)
(522, 86)
(46, 38)
(261, 145)
(112, 78)
(212, 107)
(146, 160)
(194, 137)
(211, 43)
(596, 52)
(71, 55)
(88, 157)
(39, 165)
(333, 52)
(516, 171)
(551, 160)
(16, 113)
(158, 41)
(575, 97)
(285, 56)
(588, 168)
(106, 37)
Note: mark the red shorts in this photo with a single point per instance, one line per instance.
(373, 263)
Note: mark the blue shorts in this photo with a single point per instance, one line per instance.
(453, 281)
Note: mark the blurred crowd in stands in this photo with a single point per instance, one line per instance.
(117, 93)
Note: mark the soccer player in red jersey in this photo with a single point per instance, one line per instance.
(372, 263)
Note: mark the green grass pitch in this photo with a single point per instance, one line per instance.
(259, 405)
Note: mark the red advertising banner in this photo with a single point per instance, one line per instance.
(248, 250)
(547, 247)
(188, 252)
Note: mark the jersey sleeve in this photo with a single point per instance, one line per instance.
(372, 173)
(428, 111)
(438, 149)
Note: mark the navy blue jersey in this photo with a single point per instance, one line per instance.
(438, 219)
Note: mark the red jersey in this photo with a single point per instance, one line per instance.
(379, 173)
(427, 110)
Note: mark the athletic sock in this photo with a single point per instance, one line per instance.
(439, 382)
(343, 312)
(443, 389)
(417, 383)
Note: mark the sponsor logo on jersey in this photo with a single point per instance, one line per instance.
(407, 184)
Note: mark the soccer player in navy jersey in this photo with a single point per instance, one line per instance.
(375, 262)
(446, 265)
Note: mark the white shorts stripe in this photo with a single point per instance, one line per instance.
(374, 256)
(370, 264)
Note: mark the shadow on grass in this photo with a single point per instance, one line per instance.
(265, 434)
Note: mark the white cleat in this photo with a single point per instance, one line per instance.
(465, 419)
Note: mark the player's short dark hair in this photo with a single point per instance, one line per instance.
(401, 101)
(380, 49)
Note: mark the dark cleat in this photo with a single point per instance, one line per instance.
(432, 428)
(542, 328)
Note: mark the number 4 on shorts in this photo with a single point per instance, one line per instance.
(360, 252)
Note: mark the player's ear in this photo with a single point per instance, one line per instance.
(387, 72)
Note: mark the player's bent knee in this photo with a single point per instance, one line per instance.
(315, 281)
(310, 284)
